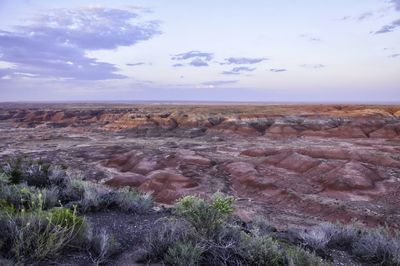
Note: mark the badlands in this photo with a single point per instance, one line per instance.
(295, 164)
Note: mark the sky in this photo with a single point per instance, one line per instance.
(158, 50)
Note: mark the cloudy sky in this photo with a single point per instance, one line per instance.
(257, 50)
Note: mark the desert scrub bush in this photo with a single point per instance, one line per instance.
(93, 197)
(51, 197)
(205, 234)
(73, 190)
(6, 262)
(297, 256)
(58, 176)
(36, 173)
(378, 246)
(329, 235)
(205, 217)
(13, 168)
(4, 231)
(32, 172)
(130, 200)
(18, 196)
(184, 254)
(223, 204)
(319, 236)
(262, 250)
(165, 233)
(24, 197)
(39, 235)
(262, 226)
(4, 179)
(66, 218)
(102, 247)
(226, 248)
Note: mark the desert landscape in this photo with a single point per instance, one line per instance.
(199, 133)
(296, 165)
(302, 164)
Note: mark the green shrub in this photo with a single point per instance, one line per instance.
(93, 197)
(6, 262)
(13, 168)
(183, 254)
(39, 235)
(4, 230)
(164, 234)
(223, 204)
(51, 197)
(18, 196)
(35, 173)
(263, 251)
(58, 176)
(319, 236)
(297, 256)
(66, 218)
(74, 190)
(379, 246)
(227, 247)
(103, 246)
(6, 207)
(205, 217)
(130, 200)
(4, 179)
(24, 197)
(262, 225)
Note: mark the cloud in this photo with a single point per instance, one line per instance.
(55, 44)
(136, 64)
(243, 60)
(238, 70)
(394, 55)
(396, 4)
(5, 72)
(365, 15)
(193, 54)
(219, 82)
(197, 58)
(198, 62)
(389, 28)
(276, 70)
(310, 38)
(313, 66)
(395, 24)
